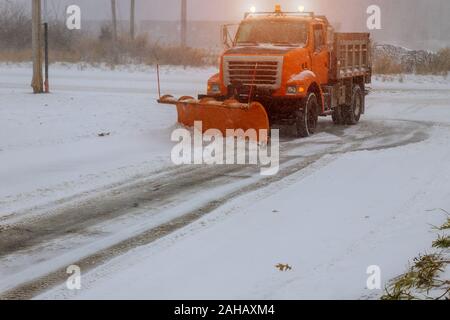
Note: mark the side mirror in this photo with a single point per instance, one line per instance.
(226, 39)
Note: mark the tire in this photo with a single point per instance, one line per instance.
(337, 116)
(352, 113)
(307, 116)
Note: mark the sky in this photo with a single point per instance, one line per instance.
(234, 9)
(412, 21)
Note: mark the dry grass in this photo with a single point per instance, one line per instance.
(442, 242)
(384, 64)
(423, 276)
(15, 56)
(446, 225)
(25, 56)
(436, 64)
(94, 52)
(439, 64)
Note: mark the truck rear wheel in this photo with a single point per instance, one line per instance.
(307, 116)
(338, 116)
(352, 113)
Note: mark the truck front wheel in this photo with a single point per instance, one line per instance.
(307, 116)
(352, 113)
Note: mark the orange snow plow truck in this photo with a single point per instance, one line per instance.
(283, 68)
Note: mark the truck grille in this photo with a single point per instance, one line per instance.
(260, 71)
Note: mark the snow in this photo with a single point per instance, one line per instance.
(54, 138)
(364, 201)
(410, 82)
(328, 243)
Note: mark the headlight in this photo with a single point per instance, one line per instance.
(292, 90)
(295, 89)
(214, 88)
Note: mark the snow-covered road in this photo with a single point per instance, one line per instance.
(139, 227)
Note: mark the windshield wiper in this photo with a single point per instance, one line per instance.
(285, 44)
(278, 44)
(247, 43)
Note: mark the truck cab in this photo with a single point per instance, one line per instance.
(297, 67)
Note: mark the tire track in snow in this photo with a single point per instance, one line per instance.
(168, 188)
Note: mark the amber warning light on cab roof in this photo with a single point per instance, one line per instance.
(278, 11)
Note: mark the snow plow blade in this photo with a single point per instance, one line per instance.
(221, 115)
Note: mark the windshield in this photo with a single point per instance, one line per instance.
(289, 33)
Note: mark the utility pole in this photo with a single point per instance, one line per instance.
(37, 82)
(46, 53)
(183, 22)
(132, 17)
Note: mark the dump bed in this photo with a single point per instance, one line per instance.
(351, 56)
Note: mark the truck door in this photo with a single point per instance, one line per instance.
(320, 55)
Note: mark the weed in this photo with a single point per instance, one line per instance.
(446, 225)
(442, 242)
(422, 276)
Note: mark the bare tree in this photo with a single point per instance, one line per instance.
(56, 9)
(132, 18)
(114, 32)
(114, 20)
(37, 82)
(183, 22)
